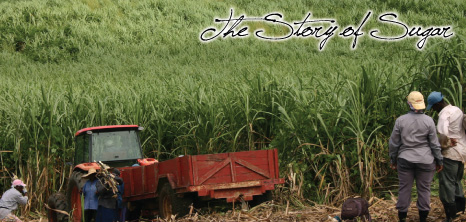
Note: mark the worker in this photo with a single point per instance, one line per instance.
(121, 210)
(453, 142)
(10, 200)
(107, 210)
(415, 153)
(90, 197)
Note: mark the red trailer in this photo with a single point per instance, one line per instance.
(169, 186)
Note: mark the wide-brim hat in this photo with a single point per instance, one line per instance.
(90, 172)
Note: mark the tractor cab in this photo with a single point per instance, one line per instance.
(116, 145)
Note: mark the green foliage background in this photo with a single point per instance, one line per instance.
(66, 65)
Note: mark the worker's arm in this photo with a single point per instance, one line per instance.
(445, 142)
(394, 144)
(22, 199)
(435, 146)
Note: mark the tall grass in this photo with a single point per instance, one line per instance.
(66, 65)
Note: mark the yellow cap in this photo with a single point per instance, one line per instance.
(417, 100)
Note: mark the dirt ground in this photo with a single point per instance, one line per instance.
(380, 210)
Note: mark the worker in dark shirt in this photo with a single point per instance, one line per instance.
(106, 210)
(108, 200)
(121, 187)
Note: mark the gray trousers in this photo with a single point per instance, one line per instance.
(407, 173)
(450, 181)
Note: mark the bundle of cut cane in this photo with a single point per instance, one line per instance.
(106, 177)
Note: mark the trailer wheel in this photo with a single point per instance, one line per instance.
(257, 200)
(73, 195)
(171, 204)
(57, 201)
(133, 211)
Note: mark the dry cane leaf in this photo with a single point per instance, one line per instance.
(191, 208)
(249, 215)
(59, 211)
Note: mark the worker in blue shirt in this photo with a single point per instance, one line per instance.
(91, 201)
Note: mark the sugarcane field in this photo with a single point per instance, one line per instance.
(225, 111)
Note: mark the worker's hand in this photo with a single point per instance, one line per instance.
(453, 142)
(393, 166)
(439, 168)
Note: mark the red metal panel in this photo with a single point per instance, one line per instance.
(149, 179)
(137, 176)
(251, 154)
(212, 157)
(178, 172)
(276, 163)
(170, 169)
(156, 177)
(195, 167)
(190, 170)
(221, 176)
(254, 165)
(168, 166)
(243, 166)
(140, 182)
(213, 169)
(126, 176)
(185, 172)
(255, 161)
(143, 178)
(240, 169)
(271, 160)
(229, 175)
(254, 168)
(231, 195)
(242, 174)
(250, 177)
(233, 169)
(224, 186)
(257, 183)
(207, 164)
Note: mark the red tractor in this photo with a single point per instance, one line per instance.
(169, 186)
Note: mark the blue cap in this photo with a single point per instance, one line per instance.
(434, 97)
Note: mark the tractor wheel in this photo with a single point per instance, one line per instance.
(171, 204)
(73, 195)
(257, 200)
(57, 201)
